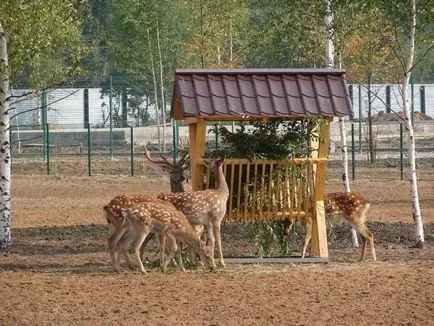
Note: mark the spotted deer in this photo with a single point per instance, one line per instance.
(347, 206)
(170, 224)
(113, 212)
(175, 170)
(205, 208)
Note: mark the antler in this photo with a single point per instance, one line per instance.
(163, 160)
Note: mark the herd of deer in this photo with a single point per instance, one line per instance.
(195, 217)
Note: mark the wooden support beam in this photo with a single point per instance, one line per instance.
(319, 231)
(197, 134)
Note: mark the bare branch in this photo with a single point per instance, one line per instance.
(423, 56)
(378, 98)
(40, 107)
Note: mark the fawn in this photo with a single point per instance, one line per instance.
(205, 208)
(113, 212)
(347, 206)
(169, 223)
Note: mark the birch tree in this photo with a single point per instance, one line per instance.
(5, 149)
(330, 63)
(38, 40)
(411, 22)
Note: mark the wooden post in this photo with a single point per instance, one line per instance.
(197, 133)
(319, 230)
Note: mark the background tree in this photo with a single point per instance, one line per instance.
(286, 34)
(218, 35)
(362, 50)
(411, 24)
(39, 47)
(144, 40)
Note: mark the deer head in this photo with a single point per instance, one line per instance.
(175, 169)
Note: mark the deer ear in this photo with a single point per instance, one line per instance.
(220, 161)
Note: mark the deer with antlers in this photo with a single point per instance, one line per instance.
(161, 218)
(205, 208)
(175, 170)
(348, 206)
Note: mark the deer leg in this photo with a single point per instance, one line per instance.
(147, 239)
(211, 239)
(217, 236)
(113, 253)
(307, 235)
(171, 242)
(122, 247)
(367, 236)
(138, 242)
(112, 243)
(125, 252)
(179, 254)
(162, 242)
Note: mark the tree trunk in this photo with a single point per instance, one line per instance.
(5, 150)
(345, 178)
(417, 216)
(330, 63)
(370, 133)
(157, 115)
(163, 101)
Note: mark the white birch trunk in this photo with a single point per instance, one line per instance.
(329, 47)
(345, 179)
(157, 114)
(330, 63)
(417, 216)
(163, 101)
(5, 157)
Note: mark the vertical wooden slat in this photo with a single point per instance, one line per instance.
(255, 180)
(240, 175)
(300, 193)
(229, 208)
(286, 190)
(231, 189)
(270, 189)
(262, 199)
(246, 195)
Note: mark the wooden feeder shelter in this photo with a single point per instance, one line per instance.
(219, 95)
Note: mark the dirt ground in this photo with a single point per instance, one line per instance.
(58, 271)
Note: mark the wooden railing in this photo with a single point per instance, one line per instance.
(269, 189)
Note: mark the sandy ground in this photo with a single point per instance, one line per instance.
(58, 271)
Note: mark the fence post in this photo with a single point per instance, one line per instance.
(353, 159)
(132, 150)
(360, 118)
(111, 117)
(88, 152)
(401, 150)
(216, 136)
(47, 151)
(44, 122)
(175, 138)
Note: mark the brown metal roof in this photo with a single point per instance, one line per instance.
(236, 93)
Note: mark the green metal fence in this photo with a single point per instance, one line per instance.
(92, 151)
